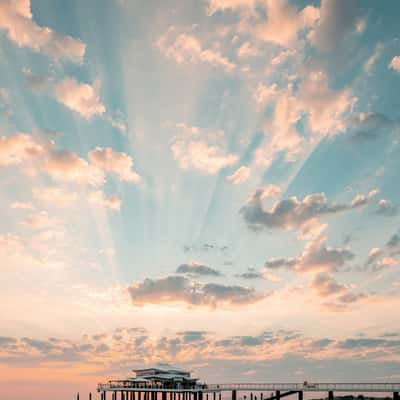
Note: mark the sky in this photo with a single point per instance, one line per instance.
(211, 184)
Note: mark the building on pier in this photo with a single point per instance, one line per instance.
(158, 378)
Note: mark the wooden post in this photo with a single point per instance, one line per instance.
(301, 395)
(396, 396)
(261, 396)
(330, 395)
(219, 396)
(234, 395)
(278, 395)
(77, 396)
(251, 396)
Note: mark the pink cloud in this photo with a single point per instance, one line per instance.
(113, 162)
(80, 97)
(186, 48)
(16, 19)
(241, 175)
(201, 150)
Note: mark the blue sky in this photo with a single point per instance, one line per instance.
(224, 168)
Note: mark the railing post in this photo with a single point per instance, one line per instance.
(234, 395)
(330, 395)
(301, 395)
(278, 394)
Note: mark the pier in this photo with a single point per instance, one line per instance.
(152, 383)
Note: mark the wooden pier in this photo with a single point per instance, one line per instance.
(126, 391)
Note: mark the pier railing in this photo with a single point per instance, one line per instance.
(303, 387)
(310, 387)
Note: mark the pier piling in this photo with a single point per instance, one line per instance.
(300, 395)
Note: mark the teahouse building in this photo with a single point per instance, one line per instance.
(158, 378)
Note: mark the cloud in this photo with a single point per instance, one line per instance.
(316, 256)
(239, 176)
(373, 255)
(55, 196)
(380, 259)
(21, 206)
(17, 20)
(395, 64)
(19, 148)
(35, 155)
(10, 243)
(326, 285)
(337, 20)
(370, 126)
(82, 98)
(325, 107)
(294, 214)
(251, 273)
(196, 269)
(67, 166)
(247, 50)
(207, 247)
(62, 198)
(224, 5)
(201, 150)
(394, 241)
(193, 336)
(98, 198)
(41, 220)
(323, 110)
(338, 296)
(368, 342)
(284, 22)
(370, 63)
(386, 208)
(187, 49)
(113, 162)
(178, 289)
